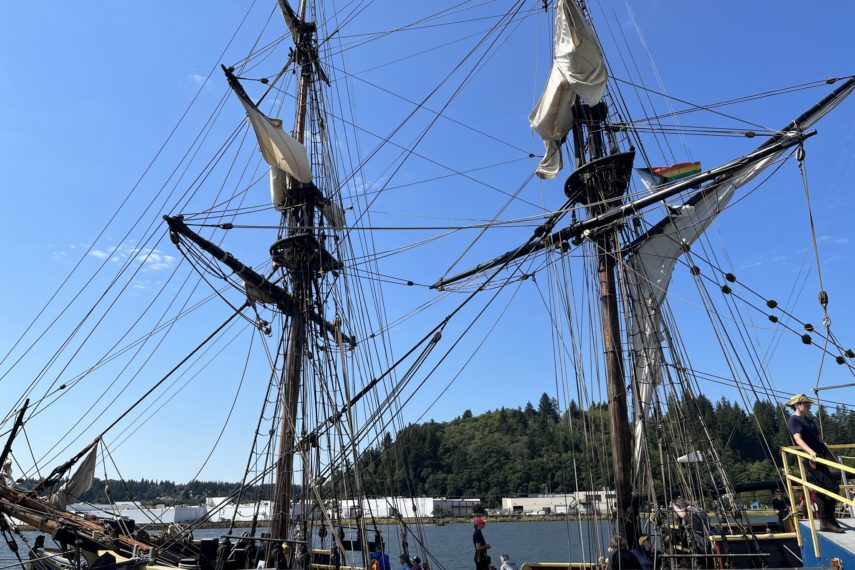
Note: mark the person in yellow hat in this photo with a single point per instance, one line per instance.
(644, 552)
(804, 432)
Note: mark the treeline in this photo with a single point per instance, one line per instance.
(510, 452)
(148, 491)
(534, 449)
(151, 492)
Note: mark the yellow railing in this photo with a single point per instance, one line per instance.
(806, 486)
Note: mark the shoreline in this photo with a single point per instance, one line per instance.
(388, 521)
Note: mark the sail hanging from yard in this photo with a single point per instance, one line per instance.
(578, 68)
(279, 149)
(77, 484)
(649, 272)
(649, 269)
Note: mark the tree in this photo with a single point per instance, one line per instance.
(548, 409)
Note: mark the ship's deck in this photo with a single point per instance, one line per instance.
(831, 545)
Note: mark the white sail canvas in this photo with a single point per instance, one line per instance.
(649, 271)
(578, 68)
(78, 483)
(279, 148)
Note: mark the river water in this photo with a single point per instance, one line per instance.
(450, 546)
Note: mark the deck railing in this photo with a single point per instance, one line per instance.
(800, 480)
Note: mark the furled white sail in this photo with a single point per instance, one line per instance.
(649, 269)
(77, 484)
(578, 68)
(333, 213)
(278, 188)
(6, 478)
(279, 149)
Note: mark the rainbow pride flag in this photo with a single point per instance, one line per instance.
(657, 175)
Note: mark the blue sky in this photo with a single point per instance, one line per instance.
(92, 91)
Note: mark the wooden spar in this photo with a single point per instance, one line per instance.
(791, 135)
(616, 386)
(49, 520)
(596, 223)
(19, 421)
(599, 183)
(298, 219)
(257, 286)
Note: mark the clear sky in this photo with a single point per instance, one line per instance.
(92, 90)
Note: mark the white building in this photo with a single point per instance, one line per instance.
(142, 515)
(219, 509)
(600, 502)
(410, 507)
(224, 511)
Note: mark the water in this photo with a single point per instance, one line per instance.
(451, 545)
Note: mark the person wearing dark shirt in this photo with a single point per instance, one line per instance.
(696, 525)
(482, 561)
(620, 558)
(781, 508)
(804, 432)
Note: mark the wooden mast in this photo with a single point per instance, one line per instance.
(599, 183)
(298, 220)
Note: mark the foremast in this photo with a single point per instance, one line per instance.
(298, 257)
(298, 215)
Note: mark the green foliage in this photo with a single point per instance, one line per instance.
(510, 452)
(151, 492)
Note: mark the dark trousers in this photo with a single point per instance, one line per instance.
(823, 477)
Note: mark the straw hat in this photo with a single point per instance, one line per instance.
(799, 399)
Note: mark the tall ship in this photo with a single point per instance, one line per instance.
(352, 226)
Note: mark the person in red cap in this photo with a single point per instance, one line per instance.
(482, 560)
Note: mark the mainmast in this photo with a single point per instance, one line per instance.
(599, 183)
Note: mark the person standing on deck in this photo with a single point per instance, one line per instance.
(696, 524)
(482, 560)
(379, 558)
(781, 507)
(804, 432)
(620, 558)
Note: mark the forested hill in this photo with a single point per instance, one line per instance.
(512, 451)
(151, 492)
(509, 452)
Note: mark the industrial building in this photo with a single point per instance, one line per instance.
(160, 514)
(219, 509)
(600, 502)
(410, 507)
